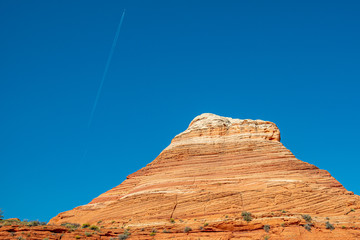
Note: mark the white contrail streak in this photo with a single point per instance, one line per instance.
(106, 69)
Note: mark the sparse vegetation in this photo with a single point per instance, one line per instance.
(329, 226)
(1, 214)
(307, 217)
(187, 229)
(77, 237)
(246, 216)
(153, 232)
(85, 225)
(201, 228)
(172, 220)
(46, 239)
(206, 224)
(266, 237)
(71, 225)
(35, 223)
(88, 234)
(283, 224)
(166, 231)
(308, 226)
(124, 236)
(343, 227)
(283, 211)
(267, 228)
(94, 227)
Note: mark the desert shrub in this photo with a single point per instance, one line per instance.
(307, 227)
(166, 231)
(88, 234)
(266, 228)
(85, 225)
(1, 214)
(343, 227)
(77, 237)
(71, 225)
(153, 232)
(206, 224)
(307, 217)
(172, 220)
(201, 228)
(246, 216)
(33, 223)
(329, 226)
(283, 211)
(123, 236)
(46, 239)
(266, 237)
(94, 227)
(187, 229)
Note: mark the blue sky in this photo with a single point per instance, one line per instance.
(295, 63)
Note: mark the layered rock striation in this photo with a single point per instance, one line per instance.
(221, 167)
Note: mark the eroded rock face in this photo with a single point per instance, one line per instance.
(215, 170)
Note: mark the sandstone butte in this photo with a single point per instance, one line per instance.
(216, 169)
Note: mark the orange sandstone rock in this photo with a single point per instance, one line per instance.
(211, 173)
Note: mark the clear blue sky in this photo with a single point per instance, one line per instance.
(295, 63)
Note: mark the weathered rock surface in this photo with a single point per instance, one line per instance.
(211, 173)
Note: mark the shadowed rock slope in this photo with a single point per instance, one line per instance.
(215, 170)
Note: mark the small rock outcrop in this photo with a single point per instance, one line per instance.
(214, 171)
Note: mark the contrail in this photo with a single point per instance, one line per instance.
(106, 69)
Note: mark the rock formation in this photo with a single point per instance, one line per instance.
(216, 169)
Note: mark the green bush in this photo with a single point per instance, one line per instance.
(266, 228)
(172, 220)
(206, 224)
(187, 229)
(1, 214)
(85, 225)
(71, 225)
(307, 217)
(246, 216)
(308, 227)
(123, 236)
(329, 226)
(94, 227)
